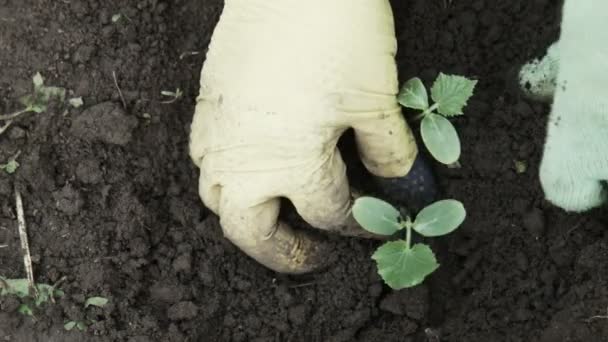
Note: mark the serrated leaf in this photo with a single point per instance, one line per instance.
(37, 80)
(76, 102)
(96, 301)
(440, 218)
(440, 138)
(376, 216)
(451, 93)
(413, 95)
(400, 267)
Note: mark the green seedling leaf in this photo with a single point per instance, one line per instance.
(451, 93)
(37, 80)
(376, 216)
(24, 309)
(441, 139)
(76, 102)
(440, 218)
(116, 17)
(73, 324)
(96, 301)
(413, 95)
(401, 267)
(20, 288)
(10, 167)
(17, 287)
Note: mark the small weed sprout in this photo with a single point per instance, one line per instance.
(399, 263)
(450, 94)
(38, 101)
(175, 95)
(11, 165)
(20, 288)
(82, 325)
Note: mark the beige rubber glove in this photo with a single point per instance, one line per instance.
(574, 71)
(283, 79)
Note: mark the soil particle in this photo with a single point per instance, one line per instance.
(105, 122)
(534, 222)
(298, 314)
(68, 200)
(182, 311)
(412, 302)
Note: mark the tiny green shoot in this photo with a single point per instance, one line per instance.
(82, 325)
(400, 264)
(96, 301)
(450, 94)
(175, 95)
(20, 287)
(38, 100)
(11, 165)
(116, 17)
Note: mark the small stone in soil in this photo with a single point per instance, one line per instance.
(412, 302)
(298, 314)
(534, 222)
(182, 311)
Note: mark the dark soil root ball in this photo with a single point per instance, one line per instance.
(415, 190)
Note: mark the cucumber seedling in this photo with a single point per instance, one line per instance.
(399, 263)
(450, 94)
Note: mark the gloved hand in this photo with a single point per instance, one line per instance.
(283, 79)
(575, 159)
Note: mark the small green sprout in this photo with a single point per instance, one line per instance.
(450, 94)
(96, 301)
(82, 325)
(10, 167)
(37, 101)
(175, 95)
(20, 288)
(399, 263)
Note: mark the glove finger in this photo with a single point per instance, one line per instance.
(570, 192)
(538, 78)
(386, 143)
(324, 201)
(255, 229)
(209, 192)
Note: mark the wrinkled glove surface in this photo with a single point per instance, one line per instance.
(575, 158)
(283, 79)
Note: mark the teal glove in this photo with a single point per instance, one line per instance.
(575, 159)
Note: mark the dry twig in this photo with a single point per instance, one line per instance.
(122, 98)
(25, 246)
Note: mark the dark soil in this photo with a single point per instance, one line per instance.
(111, 196)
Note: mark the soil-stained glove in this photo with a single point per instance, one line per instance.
(575, 160)
(283, 79)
